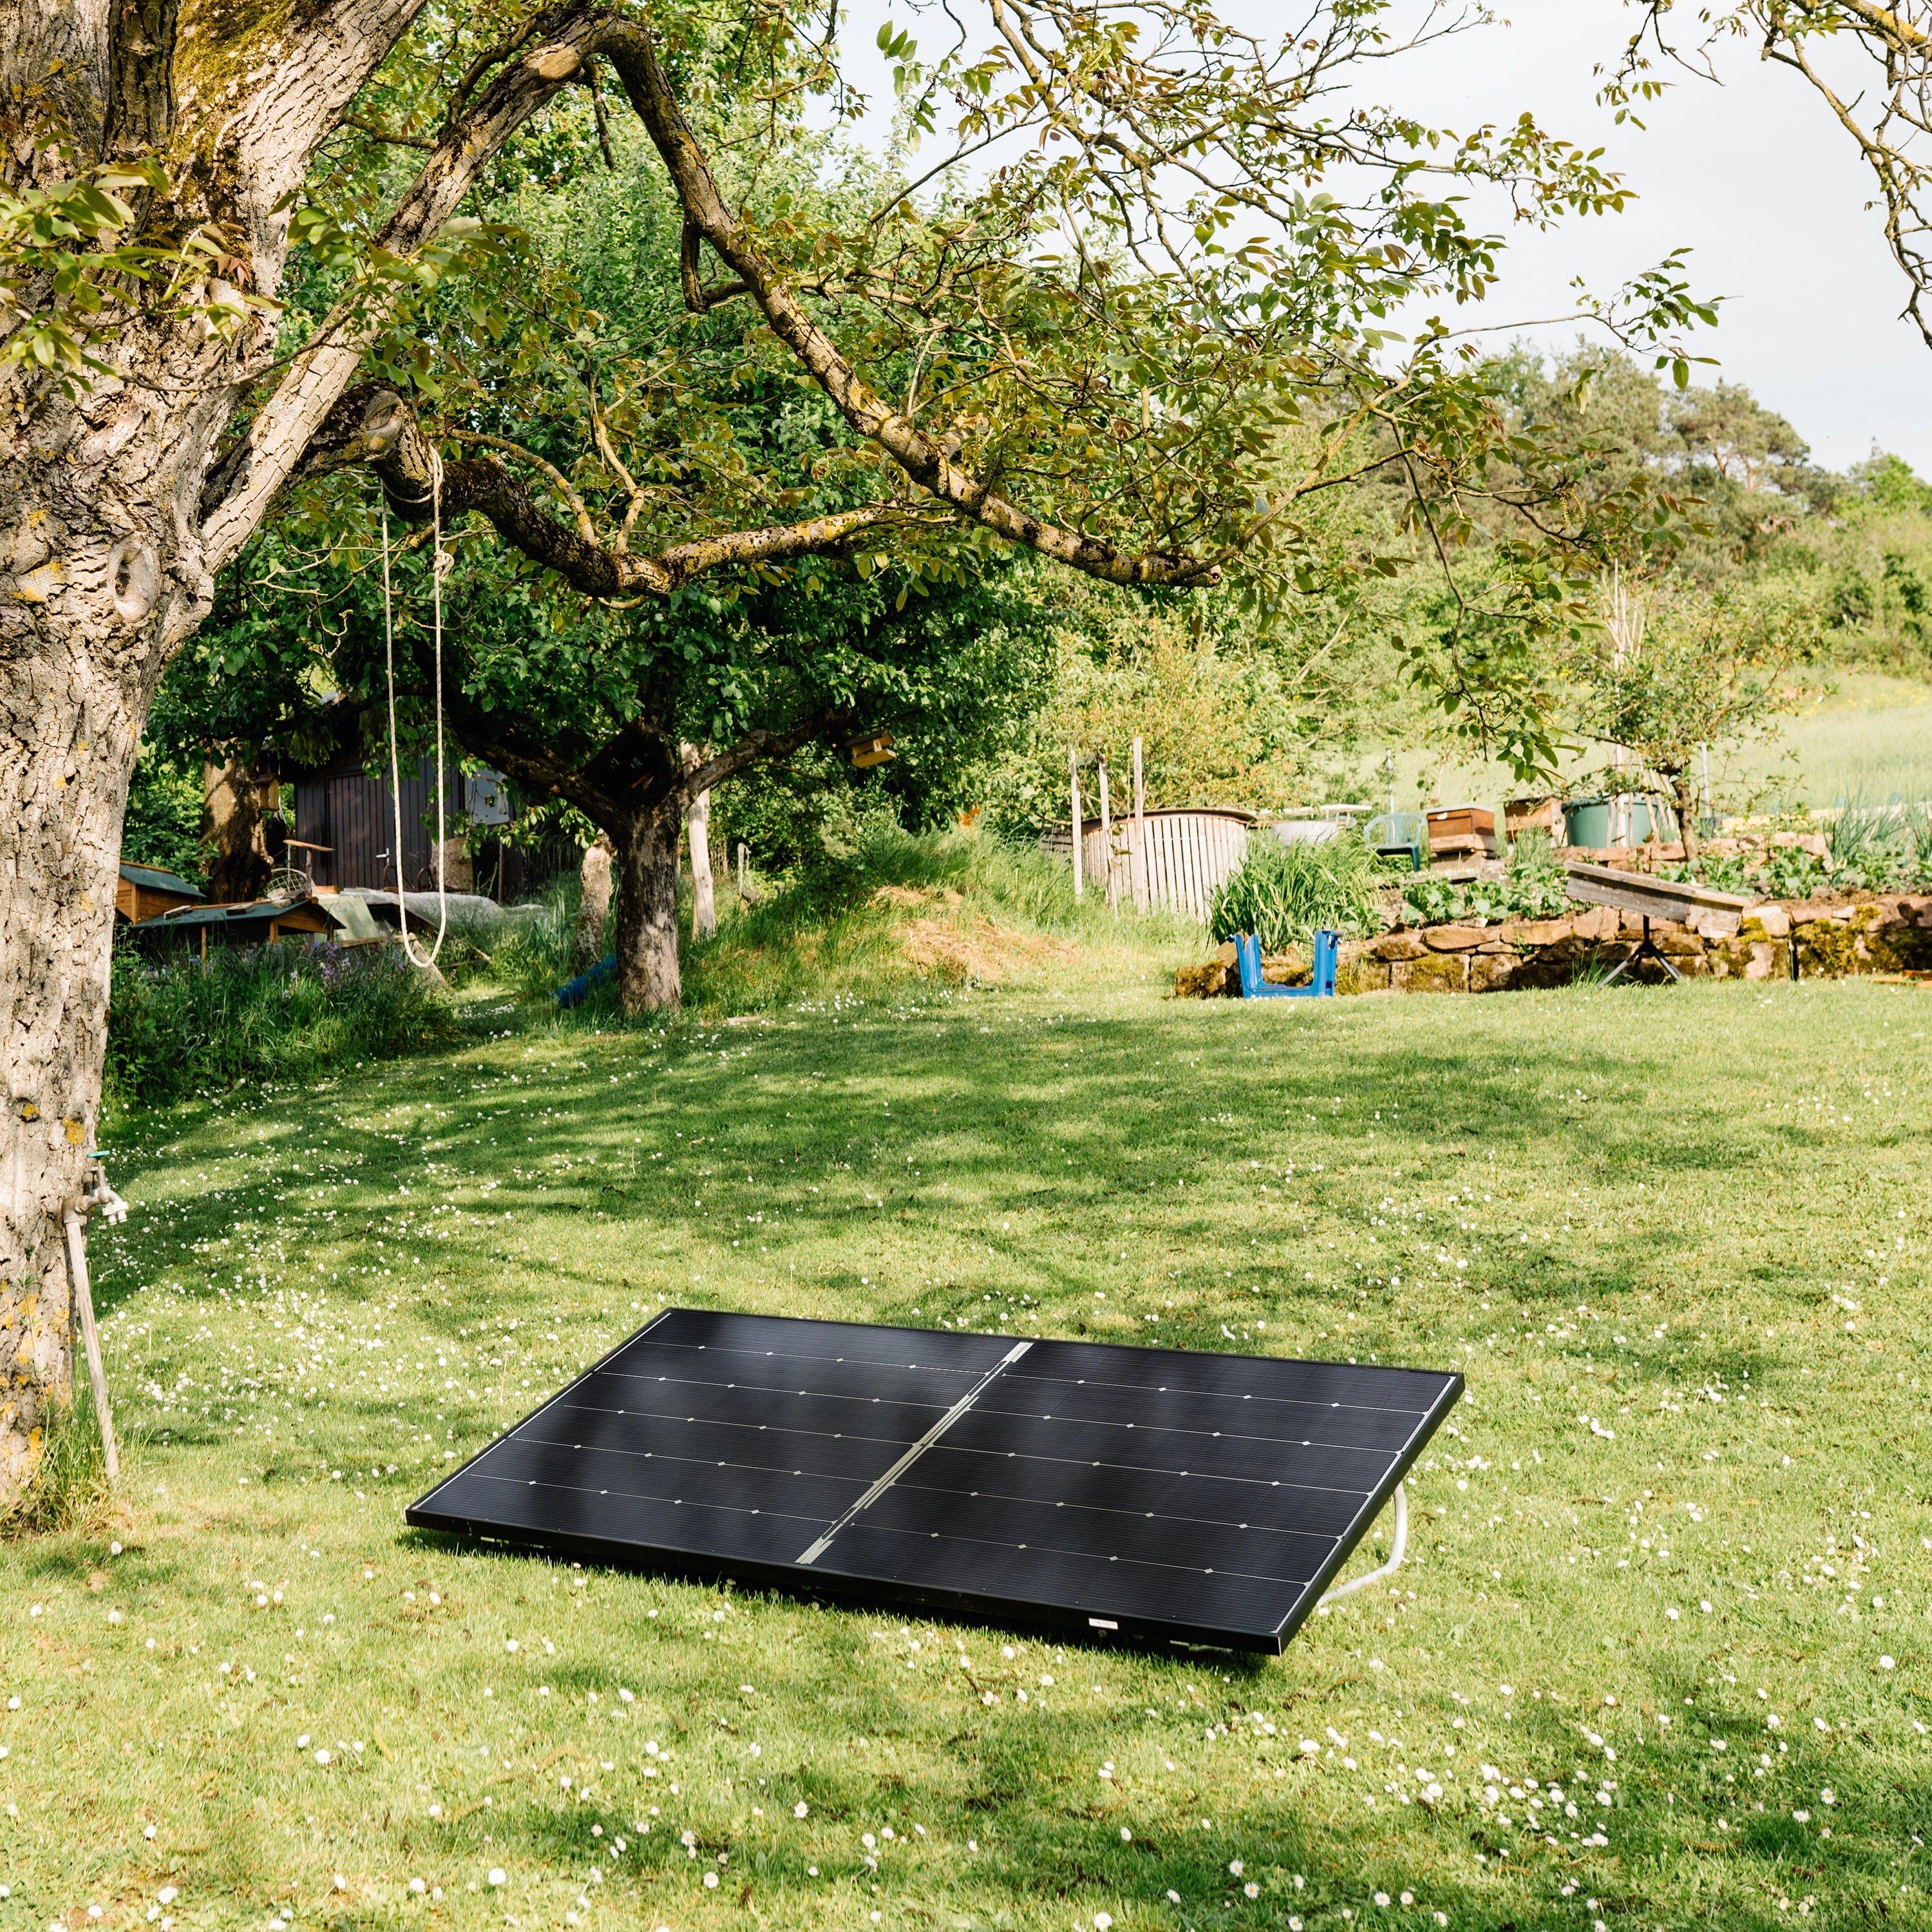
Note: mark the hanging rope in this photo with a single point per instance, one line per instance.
(439, 568)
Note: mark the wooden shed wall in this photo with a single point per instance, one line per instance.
(344, 808)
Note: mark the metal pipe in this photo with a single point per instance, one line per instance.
(1396, 1554)
(76, 1223)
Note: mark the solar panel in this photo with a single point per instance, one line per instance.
(1152, 1493)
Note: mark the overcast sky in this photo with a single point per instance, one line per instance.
(1753, 176)
(1768, 192)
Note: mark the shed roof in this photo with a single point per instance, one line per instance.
(151, 878)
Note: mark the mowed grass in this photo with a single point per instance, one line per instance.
(1675, 1238)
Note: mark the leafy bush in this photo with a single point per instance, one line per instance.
(1535, 886)
(1284, 894)
(178, 1027)
(1723, 873)
(1427, 902)
(1788, 873)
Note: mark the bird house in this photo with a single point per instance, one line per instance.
(873, 749)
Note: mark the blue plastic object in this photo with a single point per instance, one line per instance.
(1328, 953)
(578, 988)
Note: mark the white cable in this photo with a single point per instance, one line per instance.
(439, 565)
(1389, 1568)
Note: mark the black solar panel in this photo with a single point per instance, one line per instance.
(1157, 1493)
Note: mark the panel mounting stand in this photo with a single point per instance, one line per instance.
(1400, 1549)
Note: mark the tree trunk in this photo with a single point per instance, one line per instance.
(1683, 796)
(593, 911)
(703, 899)
(647, 972)
(111, 529)
(231, 828)
(101, 575)
(72, 731)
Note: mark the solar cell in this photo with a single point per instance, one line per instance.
(1154, 1492)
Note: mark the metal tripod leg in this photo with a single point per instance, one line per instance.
(1646, 949)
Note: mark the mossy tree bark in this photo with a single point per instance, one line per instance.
(114, 519)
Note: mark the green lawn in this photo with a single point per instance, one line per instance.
(1676, 1239)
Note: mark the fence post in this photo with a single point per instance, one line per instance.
(1137, 866)
(1107, 841)
(1073, 793)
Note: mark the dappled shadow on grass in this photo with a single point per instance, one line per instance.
(1250, 1179)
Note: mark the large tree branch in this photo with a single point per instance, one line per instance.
(374, 427)
(273, 446)
(629, 50)
(313, 61)
(749, 750)
(240, 491)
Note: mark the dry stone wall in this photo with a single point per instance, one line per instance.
(1858, 933)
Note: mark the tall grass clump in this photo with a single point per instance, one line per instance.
(69, 1490)
(1870, 840)
(1919, 829)
(539, 954)
(1284, 894)
(179, 1027)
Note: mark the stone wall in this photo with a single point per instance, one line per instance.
(1858, 933)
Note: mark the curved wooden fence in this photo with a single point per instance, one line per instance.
(1189, 851)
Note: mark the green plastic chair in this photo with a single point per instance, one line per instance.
(1396, 831)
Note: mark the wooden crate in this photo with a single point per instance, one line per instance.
(1544, 813)
(1462, 828)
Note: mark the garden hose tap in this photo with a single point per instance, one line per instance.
(97, 1195)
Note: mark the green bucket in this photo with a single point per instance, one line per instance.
(1586, 821)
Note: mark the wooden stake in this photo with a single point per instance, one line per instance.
(1073, 789)
(703, 900)
(1137, 860)
(97, 1373)
(1107, 841)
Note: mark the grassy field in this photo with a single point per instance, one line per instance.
(1871, 738)
(1658, 1660)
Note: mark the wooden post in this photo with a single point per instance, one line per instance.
(1073, 789)
(97, 1371)
(703, 900)
(743, 856)
(1107, 842)
(1137, 859)
(593, 909)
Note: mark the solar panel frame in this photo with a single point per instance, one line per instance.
(933, 1431)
